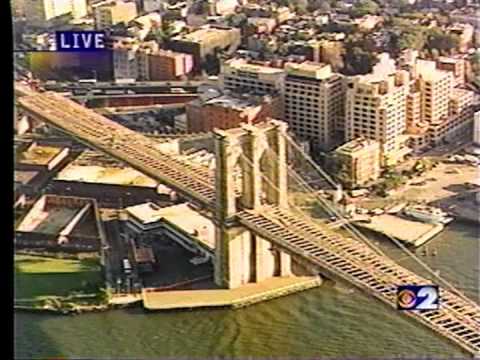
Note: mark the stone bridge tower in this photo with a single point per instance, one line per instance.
(251, 171)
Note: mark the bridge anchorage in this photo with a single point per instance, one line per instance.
(261, 232)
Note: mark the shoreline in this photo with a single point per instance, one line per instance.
(69, 312)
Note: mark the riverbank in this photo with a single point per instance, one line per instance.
(63, 286)
(445, 181)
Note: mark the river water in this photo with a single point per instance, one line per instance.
(329, 321)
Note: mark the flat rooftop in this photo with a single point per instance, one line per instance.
(202, 35)
(356, 145)
(49, 214)
(24, 176)
(181, 216)
(309, 69)
(93, 168)
(38, 155)
(240, 102)
(243, 65)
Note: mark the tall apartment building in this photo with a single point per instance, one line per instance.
(454, 65)
(359, 160)
(109, 13)
(436, 88)
(376, 106)
(42, 13)
(238, 74)
(314, 100)
(440, 111)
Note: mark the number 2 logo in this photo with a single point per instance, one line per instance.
(428, 298)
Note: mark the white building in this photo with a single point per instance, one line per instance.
(109, 13)
(152, 5)
(238, 74)
(376, 109)
(79, 8)
(41, 13)
(314, 100)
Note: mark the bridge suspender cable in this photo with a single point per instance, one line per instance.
(384, 275)
(357, 234)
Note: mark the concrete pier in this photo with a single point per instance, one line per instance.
(242, 296)
(411, 232)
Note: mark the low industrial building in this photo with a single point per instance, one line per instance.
(37, 157)
(228, 110)
(110, 182)
(29, 182)
(179, 223)
(61, 223)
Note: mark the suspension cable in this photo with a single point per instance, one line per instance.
(357, 234)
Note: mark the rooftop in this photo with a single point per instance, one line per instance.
(51, 214)
(428, 70)
(93, 168)
(309, 69)
(230, 100)
(24, 177)
(204, 34)
(182, 216)
(243, 65)
(38, 154)
(356, 145)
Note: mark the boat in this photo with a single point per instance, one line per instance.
(428, 214)
(198, 260)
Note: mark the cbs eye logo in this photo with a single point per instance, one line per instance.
(417, 297)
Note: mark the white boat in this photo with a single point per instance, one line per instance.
(198, 260)
(428, 214)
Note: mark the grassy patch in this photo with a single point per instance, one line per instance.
(37, 277)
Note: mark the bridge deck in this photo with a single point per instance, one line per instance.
(122, 143)
(357, 264)
(457, 319)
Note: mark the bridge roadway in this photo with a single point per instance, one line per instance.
(340, 257)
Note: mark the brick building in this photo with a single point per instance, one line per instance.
(229, 110)
(169, 65)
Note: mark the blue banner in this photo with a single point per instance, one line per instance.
(80, 41)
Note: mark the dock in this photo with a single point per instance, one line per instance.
(242, 296)
(408, 231)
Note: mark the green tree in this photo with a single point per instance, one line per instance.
(164, 34)
(105, 295)
(444, 42)
(365, 7)
(321, 5)
(358, 61)
(413, 38)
